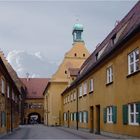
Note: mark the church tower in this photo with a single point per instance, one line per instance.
(77, 33)
(64, 75)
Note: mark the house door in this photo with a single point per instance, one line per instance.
(91, 119)
(97, 119)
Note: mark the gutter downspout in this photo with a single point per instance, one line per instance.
(77, 108)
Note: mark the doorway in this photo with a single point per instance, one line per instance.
(97, 119)
(91, 119)
(34, 118)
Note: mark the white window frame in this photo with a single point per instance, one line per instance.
(134, 113)
(109, 114)
(85, 88)
(2, 86)
(71, 116)
(133, 54)
(109, 74)
(91, 86)
(8, 91)
(85, 117)
(74, 95)
(68, 98)
(74, 116)
(65, 116)
(80, 117)
(71, 96)
(80, 91)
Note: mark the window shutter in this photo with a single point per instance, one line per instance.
(125, 114)
(86, 116)
(139, 112)
(114, 114)
(105, 115)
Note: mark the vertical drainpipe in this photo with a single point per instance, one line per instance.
(11, 112)
(77, 108)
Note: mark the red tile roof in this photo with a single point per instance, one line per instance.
(35, 86)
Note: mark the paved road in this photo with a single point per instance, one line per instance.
(43, 132)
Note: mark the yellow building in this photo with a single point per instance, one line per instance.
(65, 74)
(10, 98)
(105, 97)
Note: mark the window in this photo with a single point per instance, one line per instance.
(13, 95)
(74, 116)
(71, 116)
(65, 72)
(85, 88)
(133, 114)
(80, 91)
(75, 54)
(2, 86)
(133, 61)
(3, 119)
(80, 116)
(8, 91)
(91, 85)
(85, 116)
(109, 74)
(71, 96)
(109, 114)
(74, 96)
(65, 116)
(68, 98)
(84, 55)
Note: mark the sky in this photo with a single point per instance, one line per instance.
(35, 35)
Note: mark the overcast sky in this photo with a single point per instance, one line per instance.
(35, 35)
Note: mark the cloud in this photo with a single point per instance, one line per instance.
(35, 64)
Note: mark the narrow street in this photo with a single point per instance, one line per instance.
(43, 132)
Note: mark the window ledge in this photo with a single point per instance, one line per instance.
(133, 124)
(84, 94)
(80, 96)
(132, 74)
(107, 84)
(90, 92)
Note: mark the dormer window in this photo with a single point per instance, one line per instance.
(2, 86)
(96, 56)
(113, 39)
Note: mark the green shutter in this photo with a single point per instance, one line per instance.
(125, 114)
(87, 116)
(105, 115)
(114, 114)
(139, 112)
(3, 119)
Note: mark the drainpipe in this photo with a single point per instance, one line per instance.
(11, 113)
(77, 108)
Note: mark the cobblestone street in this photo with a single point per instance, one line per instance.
(43, 132)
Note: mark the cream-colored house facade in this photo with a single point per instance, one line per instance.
(72, 61)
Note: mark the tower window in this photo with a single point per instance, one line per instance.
(65, 72)
(75, 54)
(84, 55)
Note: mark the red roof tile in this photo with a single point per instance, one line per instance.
(35, 86)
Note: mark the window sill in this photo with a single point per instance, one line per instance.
(84, 94)
(132, 74)
(133, 124)
(90, 92)
(107, 84)
(80, 96)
